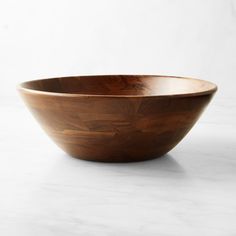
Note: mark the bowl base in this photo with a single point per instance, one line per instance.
(121, 159)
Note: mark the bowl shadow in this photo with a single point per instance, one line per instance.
(165, 165)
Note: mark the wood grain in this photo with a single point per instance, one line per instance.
(117, 118)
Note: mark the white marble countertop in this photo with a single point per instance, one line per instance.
(191, 191)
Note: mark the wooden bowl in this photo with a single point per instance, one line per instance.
(117, 118)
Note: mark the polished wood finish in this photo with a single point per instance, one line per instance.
(117, 118)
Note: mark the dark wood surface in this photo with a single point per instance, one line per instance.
(117, 118)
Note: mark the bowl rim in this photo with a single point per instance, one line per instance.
(21, 88)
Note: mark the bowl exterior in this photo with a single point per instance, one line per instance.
(116, 129)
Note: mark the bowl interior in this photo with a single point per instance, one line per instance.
(123, 85)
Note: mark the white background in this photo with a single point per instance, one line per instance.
(190, 192)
